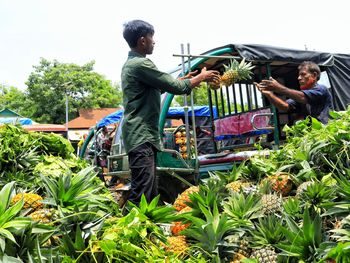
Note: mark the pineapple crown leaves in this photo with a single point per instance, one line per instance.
(242, 209)
(292, 207)
(302, 242)
(207, 197)
(9, 220)
(211, 231)
(69, 191)
(157, 214)
(318, 195)
(267, 231)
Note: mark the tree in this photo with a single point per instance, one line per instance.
(200, 96)
(13, 99)
(52, 81)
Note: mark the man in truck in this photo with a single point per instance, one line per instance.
(142, 84)
(313, 99)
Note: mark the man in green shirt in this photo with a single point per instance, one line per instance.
(142, 84)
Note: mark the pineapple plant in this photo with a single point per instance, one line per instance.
(302, 188)
(31, 200)
(184, 198)
(236, 71)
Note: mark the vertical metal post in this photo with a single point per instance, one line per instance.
(185, 102)
(274, 111)
(67, 113)
(193, 115)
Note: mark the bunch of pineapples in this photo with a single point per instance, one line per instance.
(181, 140)
(234, 72)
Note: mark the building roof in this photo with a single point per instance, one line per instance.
(9, 113)
(89, 117)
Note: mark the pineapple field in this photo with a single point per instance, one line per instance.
(290, 206)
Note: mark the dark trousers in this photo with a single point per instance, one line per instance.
(142, 163)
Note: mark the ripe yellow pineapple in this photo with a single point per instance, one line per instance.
(214, 85)
(281, 183)
(44, 215)
(182, 200)
(178, 226)
(237, 186)
(176, 244)
(236, 71)
(237, 258)
(30, 200)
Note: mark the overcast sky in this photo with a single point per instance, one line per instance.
(78, 31)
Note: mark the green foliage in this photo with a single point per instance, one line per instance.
(155, 213)
(242, 209)
(13, 99)
(303, 242)
(51, 81)
(211, 231)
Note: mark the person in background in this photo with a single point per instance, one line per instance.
(103, 144)
(313, 99)
(142, 84)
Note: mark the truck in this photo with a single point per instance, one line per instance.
(233, 120)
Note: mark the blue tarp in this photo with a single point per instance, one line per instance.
(110, 119)
(199, 111)
(15, 120)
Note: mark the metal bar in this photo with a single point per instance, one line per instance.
(228, 101)
(241, 97)
(217, 102)
(193, 121)
(234, 97)
(222, 102)
(205, 56)
(185, 105)
(255, 96)
(212, 118)
(249, 97)
(274, 111)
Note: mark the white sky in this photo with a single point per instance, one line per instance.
(78, 31)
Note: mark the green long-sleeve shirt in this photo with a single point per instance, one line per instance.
(142, 84)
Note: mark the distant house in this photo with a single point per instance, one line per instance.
(10, 117)
(87, 119)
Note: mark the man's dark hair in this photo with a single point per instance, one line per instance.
(135, 29)
(311, 67)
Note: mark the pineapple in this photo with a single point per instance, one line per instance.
(178, 226)
(214, 85)
(177, 244)
(44, 215)
(271, 203)
(236, 71)
(30, 200)
(237, 258)
(265, 255)
(237, 186)
(182, 200)
(281, 183)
